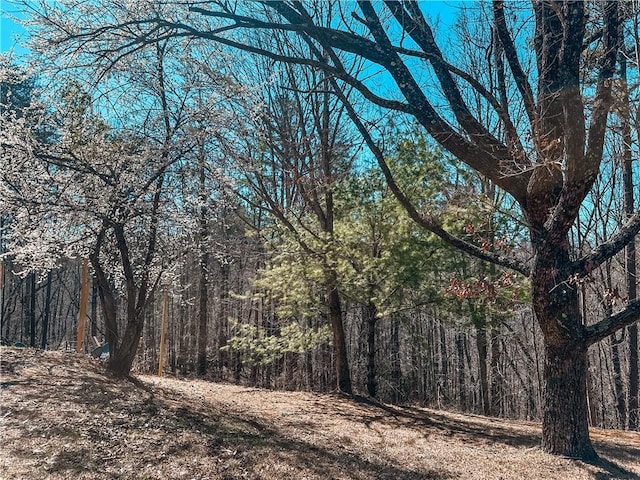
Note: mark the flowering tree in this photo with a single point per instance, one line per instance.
(112, 181)
(91, 193)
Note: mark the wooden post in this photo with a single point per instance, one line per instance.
(82, 314)
(165, 313)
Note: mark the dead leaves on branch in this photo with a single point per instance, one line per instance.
(506, 287)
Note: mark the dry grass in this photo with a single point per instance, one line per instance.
(62, 417)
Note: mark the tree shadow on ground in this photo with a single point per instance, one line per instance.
(479, 431)
(241, 433)
(471, 430)
(114, 423)
(100, 417)
(626, 454)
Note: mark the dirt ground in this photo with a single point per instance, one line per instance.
(61, 417)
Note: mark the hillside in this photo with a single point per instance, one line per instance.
(62, 417)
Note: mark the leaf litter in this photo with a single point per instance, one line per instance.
(63, 417)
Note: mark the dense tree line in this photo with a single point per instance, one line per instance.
(457, 235)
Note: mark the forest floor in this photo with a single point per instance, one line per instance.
(62, 417)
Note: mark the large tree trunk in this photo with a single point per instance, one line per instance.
(565, 426)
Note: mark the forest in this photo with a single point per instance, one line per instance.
(423, 203)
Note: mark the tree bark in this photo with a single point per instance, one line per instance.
(32, 310)
(481, 347)
(396, 367)
(462, 393)
(94, 309)
(630, 251)
(565, 425)
(121, 361)
(634, 392)
(203, 286)
(203, 317)
(618, 387)
(444, 364)
(372, 382)
(496, 374)
(339, 342)
(223, 321)
(565, 429)
(47, 312)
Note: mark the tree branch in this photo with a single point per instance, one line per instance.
(514, 64)
(418, 29)
(625, 317)
(425, 221)
(582, 167)
(585, 265)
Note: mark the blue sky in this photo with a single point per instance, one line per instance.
(11, 33)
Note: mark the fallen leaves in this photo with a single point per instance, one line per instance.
(62, 417)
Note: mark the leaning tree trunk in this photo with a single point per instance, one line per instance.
(339, 343)
(565, 426)
(372, 317)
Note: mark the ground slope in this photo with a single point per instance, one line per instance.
(62, 417)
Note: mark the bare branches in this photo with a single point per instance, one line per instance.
(625, 317)
(514, 64)
(417, 28)
(606, 250)
(582, 166)
(488, 157)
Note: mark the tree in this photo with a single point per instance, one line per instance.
(547, 160)
(302, 152)
(100, 193)
(382, 258)
(629, 205)
(99, 216)
(17, 102)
